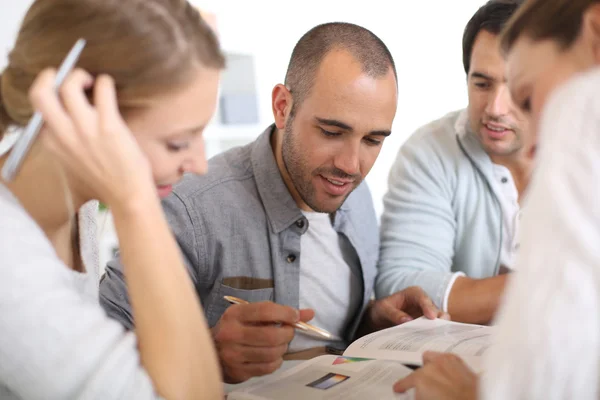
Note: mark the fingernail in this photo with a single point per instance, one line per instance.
(297, 315)
(404, 320)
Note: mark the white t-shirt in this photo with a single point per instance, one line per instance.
(511, 215)
(548, 340)
(327, 283)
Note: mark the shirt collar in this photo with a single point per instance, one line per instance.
(280, 207)
(471, 144)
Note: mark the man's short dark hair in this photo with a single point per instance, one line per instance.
(491, 17)
(313, 46)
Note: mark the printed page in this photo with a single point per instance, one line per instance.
(330, 378)
(407, 342)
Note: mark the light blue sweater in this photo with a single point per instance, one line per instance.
(442, 214)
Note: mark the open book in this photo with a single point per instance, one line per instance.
(372, 364)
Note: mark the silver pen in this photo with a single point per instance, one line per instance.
(307, 328)
(21, 147)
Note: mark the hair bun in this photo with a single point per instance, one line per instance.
(5, 119)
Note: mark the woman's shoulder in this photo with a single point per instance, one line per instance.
(570, 120)
(578, 95)
(17, 224)
(26, 251)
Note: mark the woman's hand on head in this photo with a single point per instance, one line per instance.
(92, 142)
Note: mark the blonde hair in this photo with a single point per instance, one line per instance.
(559, 20)
(146, 46)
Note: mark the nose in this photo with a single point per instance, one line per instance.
(198, 168)
(196, 162)
(348, 159)
(499, 102)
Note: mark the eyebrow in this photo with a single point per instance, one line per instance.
(342, 125)
(481, 75)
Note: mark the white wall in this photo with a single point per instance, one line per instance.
(11, 14)
(424, 37)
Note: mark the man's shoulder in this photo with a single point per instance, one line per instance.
(437, 140)
(227, 171)
(441, 131)
(360, 203)
(360, 195)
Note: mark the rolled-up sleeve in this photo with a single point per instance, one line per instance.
(113, 288)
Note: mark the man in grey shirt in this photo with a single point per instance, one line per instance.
(287, 222)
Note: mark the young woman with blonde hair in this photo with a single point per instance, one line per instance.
(124, 127)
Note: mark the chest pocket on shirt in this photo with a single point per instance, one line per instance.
(251, 295)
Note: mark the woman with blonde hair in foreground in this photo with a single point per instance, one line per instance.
(548, 341)
(124, 127)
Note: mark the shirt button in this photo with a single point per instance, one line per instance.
(504, 179)
(291, 258)
(300, 223)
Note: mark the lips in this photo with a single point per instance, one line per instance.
(338, 182)
(495, 127)
(335, 186)
(496, 131)
(164, 190)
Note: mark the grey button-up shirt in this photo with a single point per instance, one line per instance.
(239, 231)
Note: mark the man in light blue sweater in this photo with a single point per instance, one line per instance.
(451, 214)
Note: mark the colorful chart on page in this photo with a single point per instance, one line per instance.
(348, 360)
(328, 381)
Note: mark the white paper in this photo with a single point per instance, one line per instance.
(330, 378)
(407, 343)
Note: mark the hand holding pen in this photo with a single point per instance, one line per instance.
(251, 339)
(308, 329)
(89, 140)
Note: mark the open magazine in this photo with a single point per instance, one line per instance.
(372, 364)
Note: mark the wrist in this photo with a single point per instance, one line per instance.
(143, 203)
(133, 191)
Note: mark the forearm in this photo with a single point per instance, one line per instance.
(476, 300)
(175, 346)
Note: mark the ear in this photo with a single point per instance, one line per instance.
(282, 105)
(591, 29)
